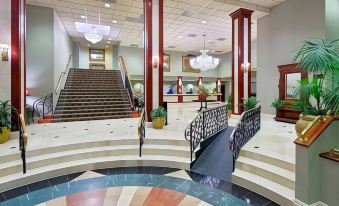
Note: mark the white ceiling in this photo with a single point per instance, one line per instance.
(177, 27)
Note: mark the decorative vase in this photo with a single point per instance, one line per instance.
(203, 96)
(4, 136)
(158, 122)
(302, 123)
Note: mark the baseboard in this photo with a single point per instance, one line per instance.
(300, 203)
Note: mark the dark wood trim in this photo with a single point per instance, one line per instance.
(240, 61)
(148, 58)
(179, 89)
(161, 52)
(24, 44)
(315, 132)
(15, 56)
(249, 71)
(330, 156)
(232, 82)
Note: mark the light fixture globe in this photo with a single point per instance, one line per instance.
(93, 36)
(204, 62)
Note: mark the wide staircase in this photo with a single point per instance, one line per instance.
(91, 94)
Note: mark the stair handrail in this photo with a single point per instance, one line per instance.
(206, 124)
(43, 106)
(141, 130)
(62, 74)
(136, 101)
(248, 125)
(23, 136)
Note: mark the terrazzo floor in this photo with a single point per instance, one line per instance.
(144, 186)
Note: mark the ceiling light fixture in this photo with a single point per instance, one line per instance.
(107, 5)
(93, 36)
(83, 16)
(204, 62)
(108, 42)
(179, 37)
(114, 21)
(204, 22)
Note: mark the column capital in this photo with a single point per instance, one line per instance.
(241, 13)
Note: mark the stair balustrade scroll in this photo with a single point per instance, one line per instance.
(43, 106)
(141, 130)
(208, 123)
(248, 125)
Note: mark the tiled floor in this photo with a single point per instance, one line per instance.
(148, 186)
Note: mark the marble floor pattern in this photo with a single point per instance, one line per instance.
(136, 186)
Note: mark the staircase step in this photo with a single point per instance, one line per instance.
(92, 106)
(70, 119)
(88, 114)
(267, 188)
(84, 96)
(80, 110)
(68, 103)
(271, 172)
(114, 99)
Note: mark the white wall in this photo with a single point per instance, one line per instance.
(5, 38)
(279, 34)
(39, 51)
(84, 58)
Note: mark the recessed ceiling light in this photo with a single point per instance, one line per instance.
(109, 39)
(204, 22)
(114, 21)
(106, 46)
(108, 42)
(213, 51)
(88, 45)
(179, 37)
(83, 16)
(107, 5)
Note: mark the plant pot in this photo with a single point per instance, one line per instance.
(158, 122)
(229, 113)
(302, 123)
(203, 96)
(4, 136)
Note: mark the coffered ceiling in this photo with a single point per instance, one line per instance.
(185, 21)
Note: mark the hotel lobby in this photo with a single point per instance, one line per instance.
(169, 102)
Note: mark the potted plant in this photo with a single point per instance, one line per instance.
(203, 92)
(158, 117)
(29, 114)
(5, 121)
(229, 106)
(278, 104)
(316, 98)
(249, 103)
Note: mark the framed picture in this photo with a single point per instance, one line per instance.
(96, 55)
(167, 63)
(186, 66)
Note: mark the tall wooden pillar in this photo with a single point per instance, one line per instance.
(153, 55)
(179, 89)
(218, 88)
(241, 58)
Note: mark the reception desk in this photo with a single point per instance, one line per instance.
(174, 98)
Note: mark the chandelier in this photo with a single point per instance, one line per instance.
(93, 36)
(204, 62)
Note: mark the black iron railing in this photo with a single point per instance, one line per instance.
(248, 125)
(43, 106)
(23, 141)
(141, 130)
(206, 124)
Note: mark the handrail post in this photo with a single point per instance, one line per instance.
(191, 144)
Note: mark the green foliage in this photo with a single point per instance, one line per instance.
(5, 114)
(229, 102)
(320, 58)
(159, 112)
(249, 103)
(278, 103)
(203, 89)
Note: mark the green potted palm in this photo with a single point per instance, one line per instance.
(319, 95)
(249, 103)
(278, 104)
(229, 106)
(203, 92)
(158, 117)
(5, 121)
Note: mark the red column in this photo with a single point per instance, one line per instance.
(153, 77)
(241, 58)
(199, 81)
(18, 55)
(218, 88)
(179, 89)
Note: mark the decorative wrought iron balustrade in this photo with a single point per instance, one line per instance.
(20, 124)
(248, 125)
(43, 106)
(206, 124)
(141, 130)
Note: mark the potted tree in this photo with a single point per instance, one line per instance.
(249, 103)
(229, 106)
(319, 95)
(203, 92)
(5, 121)
(158, 117)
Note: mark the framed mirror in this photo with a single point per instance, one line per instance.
(97, 55)
(291, 84)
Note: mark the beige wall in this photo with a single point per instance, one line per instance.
(5, 38)
(279, 34)
(84, 57)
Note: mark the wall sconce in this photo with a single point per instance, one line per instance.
(219, 82)
(4, 52)
(180, 82)
(28, 92)
(246, 66)
(155, 62)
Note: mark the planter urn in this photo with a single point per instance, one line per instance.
(158, 122)
(4, 136)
